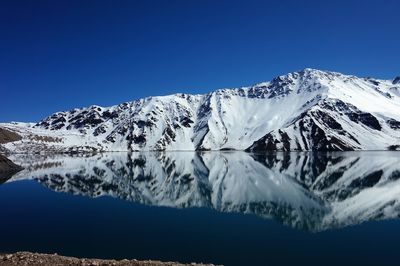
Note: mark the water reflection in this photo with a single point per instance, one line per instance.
(309, 191)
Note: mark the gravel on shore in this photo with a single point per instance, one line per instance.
(36, 259)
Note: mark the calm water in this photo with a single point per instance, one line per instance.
(230, 208)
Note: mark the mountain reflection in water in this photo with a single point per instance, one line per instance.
(309, 191)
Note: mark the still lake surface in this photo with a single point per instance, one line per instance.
(230, 208)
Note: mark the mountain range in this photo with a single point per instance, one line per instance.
(305, 110)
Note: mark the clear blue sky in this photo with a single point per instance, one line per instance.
(56, 55)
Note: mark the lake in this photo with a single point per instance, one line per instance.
(230, 208)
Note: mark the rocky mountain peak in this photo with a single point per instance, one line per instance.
(304, 110)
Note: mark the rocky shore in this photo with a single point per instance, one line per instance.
(36, 259)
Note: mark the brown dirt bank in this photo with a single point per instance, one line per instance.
(35, 259)
(8, 136)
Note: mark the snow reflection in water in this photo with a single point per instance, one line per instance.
(309, 191)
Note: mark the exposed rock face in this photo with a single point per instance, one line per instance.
(305, 110)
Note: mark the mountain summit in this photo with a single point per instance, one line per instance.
(304, 110)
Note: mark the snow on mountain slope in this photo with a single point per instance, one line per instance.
(305, 110)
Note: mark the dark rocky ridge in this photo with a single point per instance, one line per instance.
(7, 169)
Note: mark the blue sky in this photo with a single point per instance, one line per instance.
(57, 55)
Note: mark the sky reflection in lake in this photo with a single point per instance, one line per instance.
(292, 201)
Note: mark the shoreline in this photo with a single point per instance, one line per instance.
(36, 259)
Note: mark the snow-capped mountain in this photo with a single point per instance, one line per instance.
(311, 191)
(305, 110)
